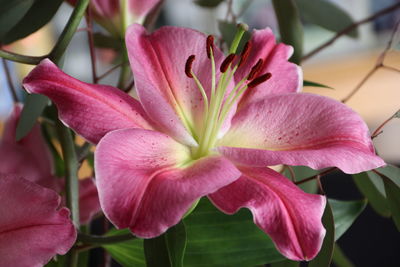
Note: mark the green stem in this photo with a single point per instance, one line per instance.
(71, 170)
(104, 240)
(69, 31)
(21, 58)
(125, 71)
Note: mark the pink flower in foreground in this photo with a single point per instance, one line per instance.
(117, 15)
(30, 158)
(32, 227)
(209, 135)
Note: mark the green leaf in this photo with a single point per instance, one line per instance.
(213, 239)
(286, 263)
(391, 172)
(326, 15)
(11, 12)
(303, 172)
(167, 249)
(377, 201)
(228, 31)
(345, 213)
(217, 239)
(393, 197)
(324, 257)
(340, 259)
(314, 84)
(128, 253)
(208, 3)
(40, 13)
(33, 108)
(391, 180)
(290, 27)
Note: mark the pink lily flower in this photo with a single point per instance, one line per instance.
(117, 15)
(32, 227)
(199, 131)
(31, 158)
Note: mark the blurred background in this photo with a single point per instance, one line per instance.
(341, 66)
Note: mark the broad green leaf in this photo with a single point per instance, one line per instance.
(324, 257)
(33, 108)
(303, 172)
(208, 3)
(40, 13)
(217, 239)
(391, 180)
(345, 213)
(128, 253)
(314, 84)
(290, 27)
(391, 172)
(213, 239)
(393, 197)
(11, 12)
(377, 201)
(286, 263)
(228, 31)
(340, 259)
(168, 249)
(326, 15)
(377, 181)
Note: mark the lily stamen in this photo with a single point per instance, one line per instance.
(259, 80)
(255, 70)
(245, 53)
(188, 66)
(210, 46)
(227, 62)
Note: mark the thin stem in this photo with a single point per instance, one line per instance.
(104, 240)
(125, 71)
(69, 31)
(71, 170)
(378, 130)
(129, 87)
(93, 60)
(105, 74)
(10, 82)
(349, 29)
(316, 176)
(378, 64)
(360, 84)
(21, 58)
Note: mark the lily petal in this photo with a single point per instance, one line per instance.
(91, 110)
(32, 228)
(300, 129)
(31, 152)
(167, 94)
(141, 185)
(286, 77)
(289, 216)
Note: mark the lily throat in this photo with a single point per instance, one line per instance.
(219, 102)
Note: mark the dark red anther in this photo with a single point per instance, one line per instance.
(227, 61)
(188, 66)
(210, 45)
(259, 80)
(245, 53)
(255, 69)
